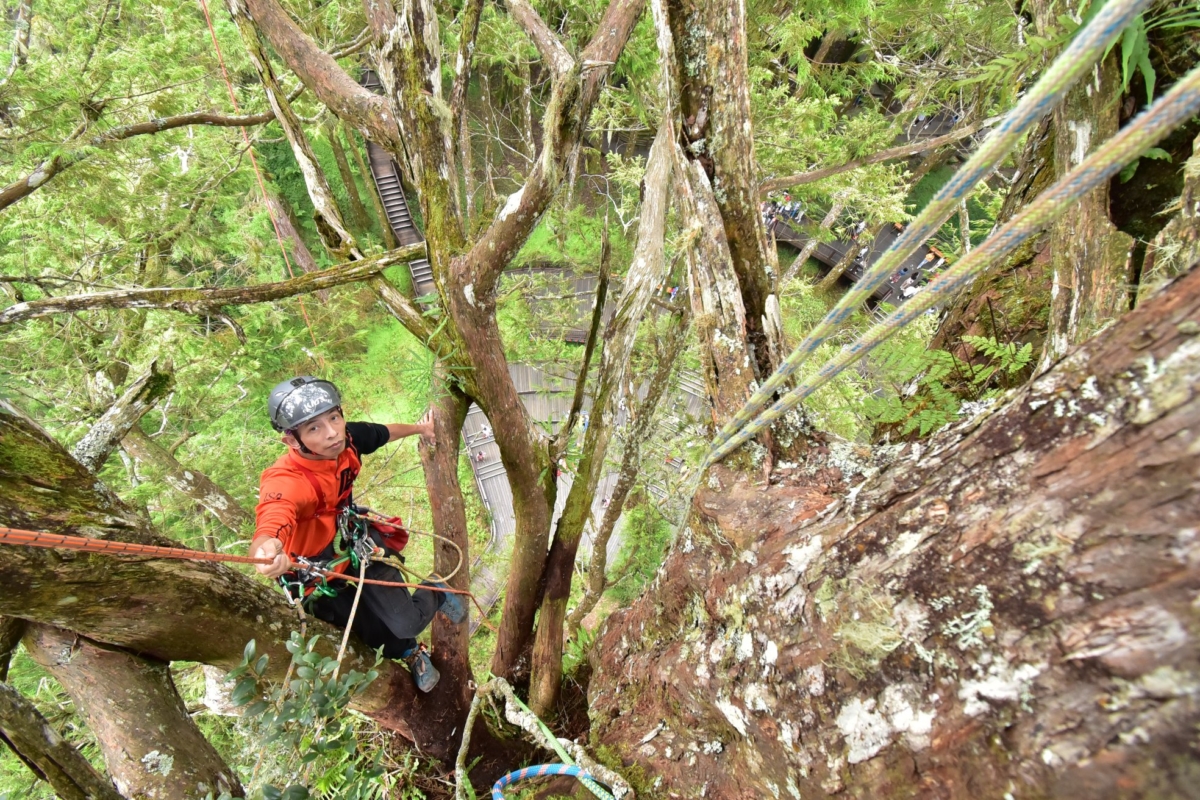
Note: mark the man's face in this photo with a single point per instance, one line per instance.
(325, 436)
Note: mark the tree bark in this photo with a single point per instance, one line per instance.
(358, 212)
(209, 301)
(716, 299)
(1010, 604)
(715, 104)
(46, 753)
(1090, 266)
(162, 609)
(189, 482)
(964, 226)
(151, 746)
(105, 436)
(645, 275)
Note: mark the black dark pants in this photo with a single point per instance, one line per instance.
(388, 616)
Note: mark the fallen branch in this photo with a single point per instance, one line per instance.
(53, 166)
(902, 151)
(207, 301)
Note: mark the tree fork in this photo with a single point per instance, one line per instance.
(642, 281)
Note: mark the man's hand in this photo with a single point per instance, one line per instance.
(280, 563)
(426, 429)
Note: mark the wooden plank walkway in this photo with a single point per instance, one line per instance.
(923, 259)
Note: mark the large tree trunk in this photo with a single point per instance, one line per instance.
(715, 104)
(1008, 608)
(189, 482)
(644, 276)
(152, 747)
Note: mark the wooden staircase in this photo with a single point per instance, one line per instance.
(386, 173)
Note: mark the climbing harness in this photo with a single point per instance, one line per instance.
(1088, 46)
(1150, 127)
(539, 771)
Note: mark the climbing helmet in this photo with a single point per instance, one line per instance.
(294, 402)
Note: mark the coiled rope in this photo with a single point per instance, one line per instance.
(1150, 127)
(539, 771)
(1088, 47)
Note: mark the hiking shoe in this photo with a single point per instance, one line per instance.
(424, 673)
(452, 605)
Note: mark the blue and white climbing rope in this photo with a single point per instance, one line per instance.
(540, 771)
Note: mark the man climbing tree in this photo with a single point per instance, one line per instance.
(308, 524)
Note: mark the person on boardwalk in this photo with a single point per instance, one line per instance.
(306, 516)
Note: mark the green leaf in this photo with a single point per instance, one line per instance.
(1157, 153)
(295, 792)
(260, 666)
(245, 689)
(1128, 171)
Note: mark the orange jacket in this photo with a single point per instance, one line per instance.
(298, 500)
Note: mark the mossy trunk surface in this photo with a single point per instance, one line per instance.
(1007, 609)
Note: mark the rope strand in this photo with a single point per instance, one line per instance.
(1088, 46)
(1150, 127)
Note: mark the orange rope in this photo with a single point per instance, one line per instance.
(17, 536)
(258, 174)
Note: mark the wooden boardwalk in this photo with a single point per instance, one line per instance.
(831, 253)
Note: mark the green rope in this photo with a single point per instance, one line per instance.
(1088, 47)
(1150, 127)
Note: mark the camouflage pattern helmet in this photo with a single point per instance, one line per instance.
(293, 403)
